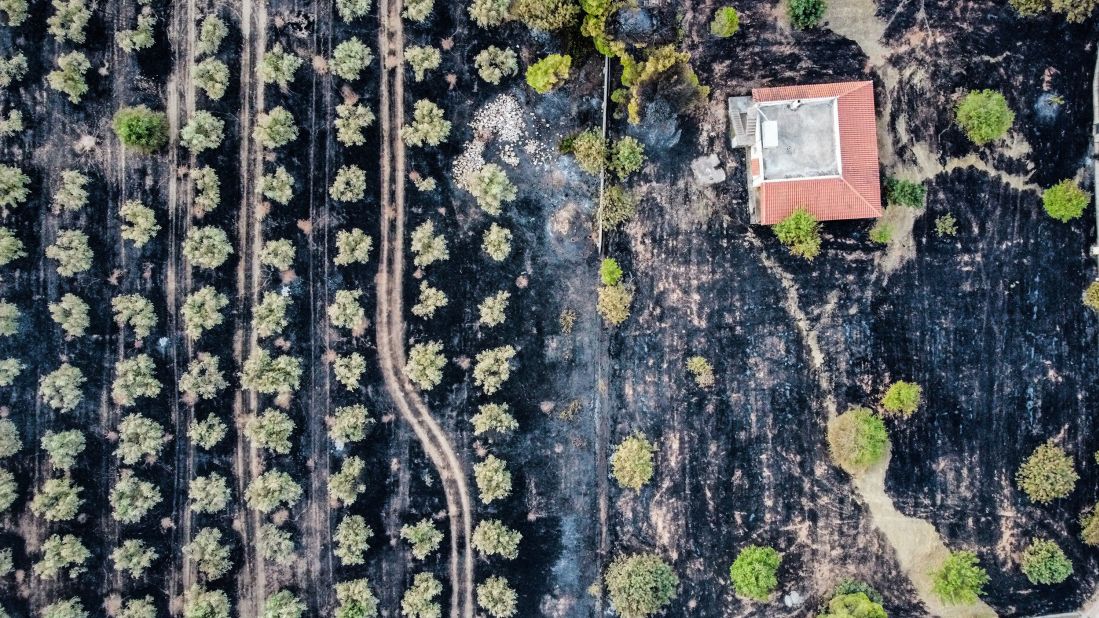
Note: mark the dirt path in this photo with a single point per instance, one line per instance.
(390, 320)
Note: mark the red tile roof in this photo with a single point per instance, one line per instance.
(855, 195)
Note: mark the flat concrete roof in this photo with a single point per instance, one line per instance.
(808, 136)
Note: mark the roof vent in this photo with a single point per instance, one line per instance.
(770, 134)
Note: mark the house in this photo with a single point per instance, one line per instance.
(812, 147)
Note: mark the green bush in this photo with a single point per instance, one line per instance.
(1043, 562)
(984, 116)
(548, 73)
(1089, 525)
(613, 303)
(959, 580)
(800, 232)
(754, 572)
(632, 462)
(69, 76)
(1048, 474)
(545, 15)
(726, 22)
(626, 157)
(610, 273)
(881, 233)
(853, 605)
(141, 128)
(494, 64)
(857, 439)
(640, 585)
(1065, 201)
(946, 225)
(905, 193)
(805, 14)
(902, 398)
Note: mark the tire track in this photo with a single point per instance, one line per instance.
(390, 317)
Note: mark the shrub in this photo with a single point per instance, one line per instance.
(275, 128)
(493, 479)
(12, 124)
(269, 316)
(881, 233)
(57, 500)
(10, 368)
(351, 10)
(590, 150)
(726, 22)
(424, 537)
(614, 303)
(133, 556)
(13, 186)
(203, 378)
(1043, 562)
(428, 127)
(640, 585)
(140, 128)
(131, 498)
(350, 59)
(208, 494)
(72, 252)
(984, 116)
(138, 437)
(348, 369)
(349, 185)
(275, 545)
(960, 579)
(211, 33)
(1089, 525)
(492, 309)
(71, 312)
(902, 398)
(489, 13)
(270, 430)
(431, 300)
(63, 447)
(278, 254)
(1065, 201)
(207, 433)
(548, 73)
(753, 573)
(73, 192)
(345, 310)
(349, 424)
(493, 538)
(10, 442)
(208, 188)
(69, 608)
(497, 597)
(632, 462)
(60, 389)
(805, 14)
(135, 310)
(11, 248)
(610, 273)
(626, 157)
(800, 232)
(419, 600)
(138, 222)
(1048, 474)
(493, 368)
(421, 59)
(418, 10)
(278, 66)
(352, 246)
(8, 490)
(203, 131)
(946, 225)
(69, 20)
(351, 120)
(497, 243)
(352, 538)
(62, 554)
(427, 246)
(702, 371)
(207, 246)
(198, 602)
(905, 193)
(140, 37)
(210, 555)
(356, 600)
(493, 417)
(853, 605)
(283, 604)
(272, 489)
(494, 64)
(857, 439)
(425, 364)
(134, 378)
(16, 10)
(202, 310)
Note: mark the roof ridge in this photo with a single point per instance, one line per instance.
(861, 196)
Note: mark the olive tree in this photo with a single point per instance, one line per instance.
(57, 500)
(351, 10)
(269, 316)
(491, 188)
(207, 188)
(13, 124)
(425, 364)
(275, 128)
(11, 248)
(349, 184)
(346, 485)
(421, 59)
(60, 389)
(496, 596)
(494, 64)
(9, 491)
(68, 608)
(1048, 474)
(9, 318)
(275, 545)
(424, 537)
(72, 252)
(10, 368)
(427, 246)
(632, 462)
(493, 538)
(138, 222)
(134, 377)
(351, 120)
(350, 58)
(202, 310)
(549, 15)
(203, 131)
(69, 20)
(13, 186)
(278, 186)
(132, 498)
(640, 585)
(349, 424)
(345, 310)
(493, 479)
(199, 602)
(283, 604)
(278, 66)
(211, 33)
(348, 369)
(62, 555)
(418, 10)
(12, 69)
(10, 442)
(136, 311)
(355, 600)
(352, 246)
(352, 539)
(419, 601)
(63, 447)
(492, 308)
(271, 490)
(138, 437)
(212, 77)
(210, 555)
(133, 555)
(207, 247)
(493, 417)
(278, 254)
(702, 371)
(138, 608)
(207, 433)
(16, 10)
(493, 368)
(140, 37)
(73, 192)
(203, 378)
(614, 302)
(496, 242)
(270, 430)
(431, 300)
(428, 127)
(489, 13)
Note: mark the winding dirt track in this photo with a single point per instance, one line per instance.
(390, 318)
